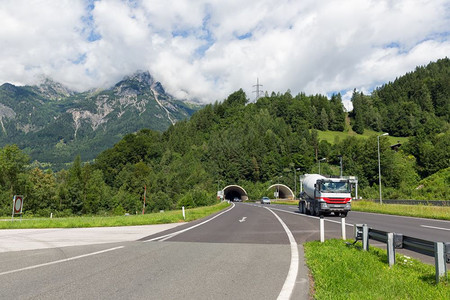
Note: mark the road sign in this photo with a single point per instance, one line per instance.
(18, 204)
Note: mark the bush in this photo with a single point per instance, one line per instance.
(119, 210)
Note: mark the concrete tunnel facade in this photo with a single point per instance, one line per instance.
(284, 192)
(232, 191)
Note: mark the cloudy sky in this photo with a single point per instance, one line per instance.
(206, 49)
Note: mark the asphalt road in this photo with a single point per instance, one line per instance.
(247, 252)
(244, 253)
(427, 229)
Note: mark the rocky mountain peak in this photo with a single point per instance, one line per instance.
(53, 90)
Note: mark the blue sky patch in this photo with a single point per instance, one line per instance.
(245, 36)
(89, 24)
(81, 59)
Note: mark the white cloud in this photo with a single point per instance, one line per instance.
(208, 49)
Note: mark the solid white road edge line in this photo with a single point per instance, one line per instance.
(289, 283)
(171, 235)
(302, 215)
(433, 227)
(60, 261)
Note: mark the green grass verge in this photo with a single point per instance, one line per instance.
(174, 216)
(285, 202)
(330, 136)
(346, 272)
(420, 211)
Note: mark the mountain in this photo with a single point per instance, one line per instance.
(53, 123)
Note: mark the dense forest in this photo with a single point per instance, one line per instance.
(254, 145)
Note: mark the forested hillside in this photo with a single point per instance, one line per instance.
(416, 102)
(236, 142)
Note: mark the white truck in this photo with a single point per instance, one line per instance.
(323, 196)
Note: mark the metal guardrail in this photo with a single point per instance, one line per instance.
(439, 250)
(419, 245)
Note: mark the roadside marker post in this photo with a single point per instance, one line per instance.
(390, 249)
(344, 233)
(184, 214)
(439, 259)
(322, 229)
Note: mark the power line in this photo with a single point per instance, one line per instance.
(258, 92)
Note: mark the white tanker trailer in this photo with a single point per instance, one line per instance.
(322, 195)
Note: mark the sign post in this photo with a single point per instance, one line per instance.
(145, 193)
(17, 206)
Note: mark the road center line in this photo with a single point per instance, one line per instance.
(289, 283)
(433, 227)
(171, 235)
(60, 261)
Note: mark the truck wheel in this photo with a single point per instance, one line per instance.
(316, 211)
(344, 214)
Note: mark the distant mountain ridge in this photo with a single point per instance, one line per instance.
(53, 123)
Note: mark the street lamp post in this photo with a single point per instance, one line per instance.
(379, 163)
(340, 163)
(322, 159)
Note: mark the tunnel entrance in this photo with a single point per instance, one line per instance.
(235, 191)
(284, 192)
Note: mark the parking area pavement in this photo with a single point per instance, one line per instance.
(30, 239)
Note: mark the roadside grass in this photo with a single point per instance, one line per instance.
(331, 136)
(346, 272)
(285, 202)
(420, 211)
(174, 216)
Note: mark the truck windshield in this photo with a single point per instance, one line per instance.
(335, 187)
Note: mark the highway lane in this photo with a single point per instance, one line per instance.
(427, 229)
(241, 254)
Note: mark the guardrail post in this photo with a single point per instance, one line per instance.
(344, 234)
(358, 232)
(322, 229)
(439, 259)
(390, 249)
(365, 240)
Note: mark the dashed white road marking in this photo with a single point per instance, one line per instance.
(433, 227)
(60, 261)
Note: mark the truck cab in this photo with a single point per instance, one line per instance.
(325, 195)
(333, 195)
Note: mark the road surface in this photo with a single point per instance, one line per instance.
(249, 251)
